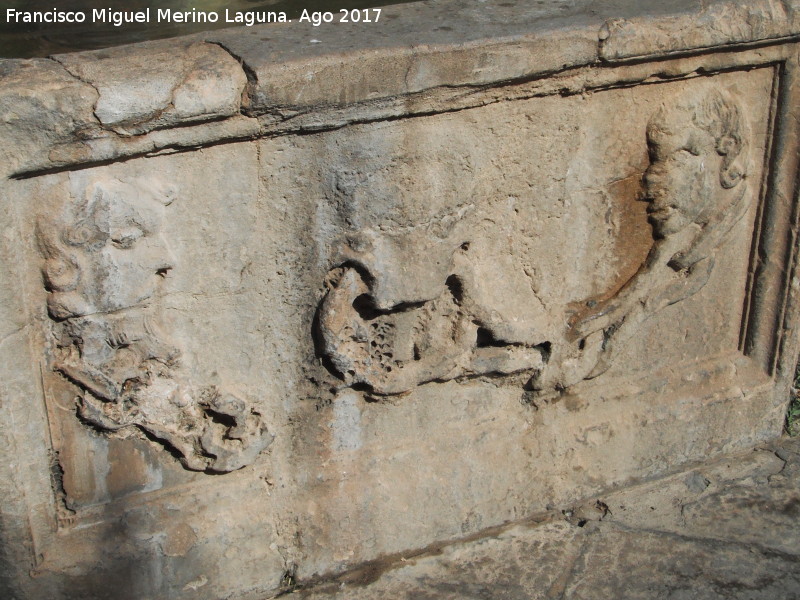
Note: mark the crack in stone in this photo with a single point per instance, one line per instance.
(90, 84)
(248, 92)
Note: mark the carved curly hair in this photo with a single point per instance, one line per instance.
(65, 240)
(715, 113)
(719, 116)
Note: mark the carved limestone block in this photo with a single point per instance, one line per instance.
(695, 188)
(289, 307)
(105, 256)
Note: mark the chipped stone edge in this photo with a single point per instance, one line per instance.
(610, 42)
(160, 108)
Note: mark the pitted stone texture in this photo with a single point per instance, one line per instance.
(160, 84)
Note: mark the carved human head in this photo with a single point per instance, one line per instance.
(105, 252)
(697, 151)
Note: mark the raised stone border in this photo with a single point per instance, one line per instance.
(425, 57)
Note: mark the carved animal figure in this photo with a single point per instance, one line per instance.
(696, 192)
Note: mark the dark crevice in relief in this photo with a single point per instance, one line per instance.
(365, 307)
(222, 419)
(701, 51)
(65, 513)
(319, 344)
(456, 288)
(367, 310)
(485, 339)
(249, 73)
(365, 303)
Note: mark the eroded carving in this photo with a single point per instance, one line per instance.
(393, 351)
(105, 256)
(695, 186)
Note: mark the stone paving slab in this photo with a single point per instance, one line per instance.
(726, 529)
(644, 565)
(496, 567)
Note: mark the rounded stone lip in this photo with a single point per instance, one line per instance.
(233, 83)
(159, 85)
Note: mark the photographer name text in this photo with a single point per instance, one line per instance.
(119, 18)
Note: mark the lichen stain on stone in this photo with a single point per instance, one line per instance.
(129, 471)
(633, 234)
(180, 539)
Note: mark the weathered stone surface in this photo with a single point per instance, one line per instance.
(41, 105)
(613, 564)
(104, 255)
(525, 561)
(460, 273)
(417, 47)
(420, 58)
(709, 24)
(194, 543)
(613, 567)
(161, 84)
(758, 508)
(454, 43)
(399, 289)
(635, 543)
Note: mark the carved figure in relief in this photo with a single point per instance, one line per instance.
(105, 257)
(401, 310)
(392, 351)
(696, 187)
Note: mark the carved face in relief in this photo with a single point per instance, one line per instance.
(693, 146)
(104, 253)
(111, 254)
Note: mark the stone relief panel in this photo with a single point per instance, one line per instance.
(382, 334)
(105, 256)
(695, 186)
(452, 261)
